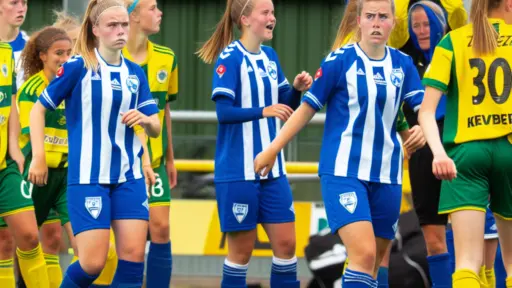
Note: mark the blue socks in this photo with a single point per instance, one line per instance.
(499, 269)
(159, 267)
(354, 279)
(284, 273)
(76, 277)
(128, 274)
(234, 275)
(440, 270)
(451, 249)
(382, 277)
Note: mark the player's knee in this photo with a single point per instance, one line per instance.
(51, 240)
(93, 265)
(284, 247)
(363, 256)
(159, 229)
(6, 245)
(133, 253)
(27, 238)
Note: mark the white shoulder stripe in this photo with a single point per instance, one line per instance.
(412, 93)
(314, 99)
(48, 99)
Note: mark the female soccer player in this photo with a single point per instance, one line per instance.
(16, 208)
(105, 97)
(161, 68)
(465, 67)
(250, 92)
(44, 53)
(364, 85)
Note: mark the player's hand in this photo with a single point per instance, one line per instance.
(38, 172)
(444, 168)
(134, 117)
(415, 141)
(302, 81)
(172, 173)
(264, 162)
(280, 111)
(149, 175)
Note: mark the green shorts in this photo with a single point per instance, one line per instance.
(160, 192)
(483, 168)
(51, 196)
(14, 192)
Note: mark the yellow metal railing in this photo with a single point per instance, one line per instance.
(207, 166)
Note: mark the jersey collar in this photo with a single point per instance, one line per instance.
(129, 56)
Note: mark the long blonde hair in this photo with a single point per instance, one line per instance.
(223, 34)
(349, 26)
(485, 37)
(87, 42)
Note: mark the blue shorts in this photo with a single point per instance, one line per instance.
(244, 204)
(94, 206)
(348, 200)
(491, 231)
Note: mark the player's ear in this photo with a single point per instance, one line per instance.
(95, 31)
(43, 56)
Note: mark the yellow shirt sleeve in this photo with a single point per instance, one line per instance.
(172, 92)
(439, 71)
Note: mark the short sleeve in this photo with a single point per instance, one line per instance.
(63, 84)
(145, 104)
(26, 101)
(326, 80)
(172, 92)
(438, 73)
(226, 75)
(412, 88)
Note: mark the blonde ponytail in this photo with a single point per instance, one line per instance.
(485, 37)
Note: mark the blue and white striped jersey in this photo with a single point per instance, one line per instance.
(251, 80)
(363, 97)
(18, 45)
(102, 150)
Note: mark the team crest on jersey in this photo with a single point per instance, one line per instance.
(161, 76)
(240, 211)
(397, 77)
(93, 206)
(62, 121)
(272, 70)
(221, 70)
(349, 201)
(132, 82)
(4, 70)
(3, 96)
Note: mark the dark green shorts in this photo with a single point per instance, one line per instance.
(14, 192)
(51, 197)
(161, 191)
(483, 168)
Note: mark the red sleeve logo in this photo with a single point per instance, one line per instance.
(221, 70)
(60, 71)
(318, 73)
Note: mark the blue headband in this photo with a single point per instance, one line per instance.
(132, 7)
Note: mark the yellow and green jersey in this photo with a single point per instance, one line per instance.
(55, 133)
(161, 69)
(477, 87)
(7, 89)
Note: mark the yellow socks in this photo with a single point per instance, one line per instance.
(509, 282)
(465, 278)
(491, 278)
(7, 274)
(33, 267)
(483, 279)
(54, 270)
(107, 275)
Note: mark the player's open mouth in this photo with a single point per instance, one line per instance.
(270, 27)
(376, 33)
(20, 17)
